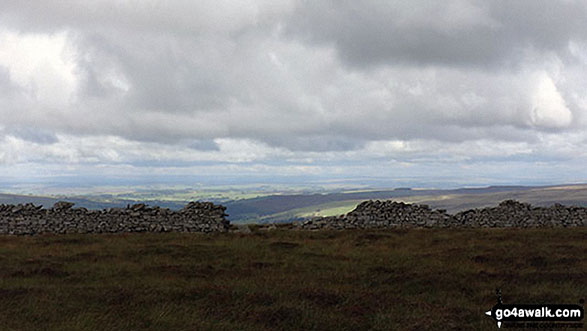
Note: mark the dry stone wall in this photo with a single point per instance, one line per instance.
(29, 219)
(390, 214)
(512, 213)
(381, 214)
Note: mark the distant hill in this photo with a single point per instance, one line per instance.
(14, 199)
(571, 195)
(277, 208)
(89, 202)
(288, 207)
(48, 202)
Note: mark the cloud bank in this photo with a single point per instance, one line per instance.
(295, 87)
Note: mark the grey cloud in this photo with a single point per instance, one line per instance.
(462, 33)
(31, 134)
(204, 145)
(159, 17)
(319, 143)
(161, 74)
(155, 75)
(7, 88)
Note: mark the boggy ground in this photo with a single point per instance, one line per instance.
(417, 279)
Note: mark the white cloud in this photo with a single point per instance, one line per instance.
(548, 107)
(41, 64)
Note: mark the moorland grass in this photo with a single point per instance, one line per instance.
(416, 279)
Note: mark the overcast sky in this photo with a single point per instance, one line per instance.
(469, 91)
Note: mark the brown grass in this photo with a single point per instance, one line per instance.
(285, 280)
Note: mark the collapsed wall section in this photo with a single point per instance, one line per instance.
(29, 219)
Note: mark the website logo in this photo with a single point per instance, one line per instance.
(537, 315)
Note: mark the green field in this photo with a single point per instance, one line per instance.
(400, 279)
(181, 196)
(326, 209)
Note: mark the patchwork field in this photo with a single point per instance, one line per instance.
(417, 279)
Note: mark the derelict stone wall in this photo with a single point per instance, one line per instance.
(512, 213)
(381, 214)
(389, 214)
(29, 219)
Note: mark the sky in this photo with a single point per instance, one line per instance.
(418, 92)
